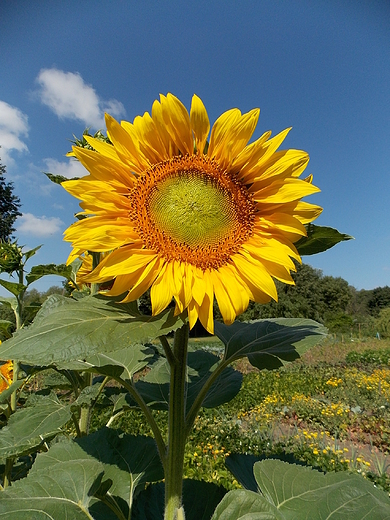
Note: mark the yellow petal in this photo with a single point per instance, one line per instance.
(125, 146)
(192, 313)
(283, 191)
(169, 145)
(200, 123)
(102, 147)
(257, 275)
(125, 260)
(205, 312)
(283, 164)
(177, 123)
(161, 293)
(104, 168)
(229, 140)
(306, 212)
(145, 280)
(263, 153)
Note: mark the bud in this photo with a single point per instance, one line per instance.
(10, 257)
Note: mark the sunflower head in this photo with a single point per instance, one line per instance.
(190, 214)
(6, 375)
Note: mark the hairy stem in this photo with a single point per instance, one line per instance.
(176, 426)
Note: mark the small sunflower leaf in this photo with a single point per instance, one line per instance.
(58, 179)
(6, 327)
(13, 287)
(300, 492)
(28, 427)
(60, 484)
(28, 254)
(6, 394)
(10, 302)
(49, 269)
(319, 239)
(269, 343)
(68, 330)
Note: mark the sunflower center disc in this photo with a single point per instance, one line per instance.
(192, 209)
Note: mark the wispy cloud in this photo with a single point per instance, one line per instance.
(68, 96)
(29, 224)
(69, 169)
(13, 128)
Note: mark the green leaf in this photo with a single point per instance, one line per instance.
(6, 394)
(154, 387)
(60, 485)
(13, 287)
(6, 327)
(30, 253)
(67, 330)
(199, 499)
(57, 179)
(269, 343)
(128, 461)
(303, 493)
(319, 239)
(241, 465)
(28, 427)
(49, 269)
(122, 363)
(10, 302)
(241, 504)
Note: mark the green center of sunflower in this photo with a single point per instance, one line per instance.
(189, 209)
(192, 209)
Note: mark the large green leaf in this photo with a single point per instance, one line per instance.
(319, 239)
(122, 363)
(128, 461)
(49, 269)
(154, 387)
(199, 499)
(67, 330)
(294, 492)
(241, 504)
(303, 493)
(269, 343)
(60, 485)
(28, 427)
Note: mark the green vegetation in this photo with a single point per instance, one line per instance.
(334, 416)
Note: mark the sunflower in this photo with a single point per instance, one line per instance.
(6, 371)
(189, 216)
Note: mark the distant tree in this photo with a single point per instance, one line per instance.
(9, 207)
(379, 299)
(336, 294)
(383, 322)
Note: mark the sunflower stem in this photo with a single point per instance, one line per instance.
(176, 427)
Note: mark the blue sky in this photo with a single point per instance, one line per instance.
(322, 67)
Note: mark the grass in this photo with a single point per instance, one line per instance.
(330, 409)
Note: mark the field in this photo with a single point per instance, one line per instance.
(330, 409)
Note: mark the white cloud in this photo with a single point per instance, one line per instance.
(66, 94)
(29, 224)
(13, 127)
(69, 169)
